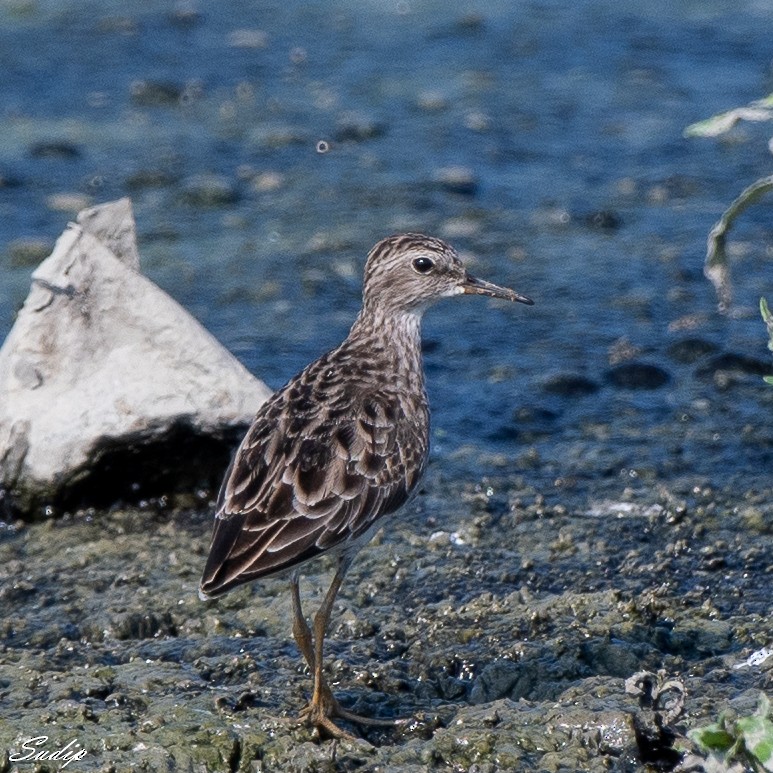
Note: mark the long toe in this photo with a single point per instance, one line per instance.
(320, 717)
(358, 719)
(320, 713)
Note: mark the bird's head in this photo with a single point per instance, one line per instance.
(409, 272)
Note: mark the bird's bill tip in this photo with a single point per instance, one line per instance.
(474, 286)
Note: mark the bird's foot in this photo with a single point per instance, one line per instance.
(320, 711)
(324, 707)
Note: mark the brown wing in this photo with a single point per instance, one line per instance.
(305, 480)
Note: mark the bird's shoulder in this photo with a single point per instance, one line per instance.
(331, 432)
(325, 458)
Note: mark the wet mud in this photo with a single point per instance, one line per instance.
(595, 524)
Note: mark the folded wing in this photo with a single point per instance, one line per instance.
(309, 476)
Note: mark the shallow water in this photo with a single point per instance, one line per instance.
(578, 190)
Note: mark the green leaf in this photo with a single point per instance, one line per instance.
(767, 317)
(764, 102)
(711, 127)
(711, 738)
(757, 734)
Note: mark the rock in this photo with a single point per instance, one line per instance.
(151, 178)
(273, 136)
(689, 350)
(604, 220)
(28, 252)
(208, 190)
(457, 179)
(108, 388)
(637, 375)
(353, 127)
(247, 38)
(55, 149)
(733, 363)
(146, 93)
(9, 180)
(497, 680)
(569, 385)
(68, 201)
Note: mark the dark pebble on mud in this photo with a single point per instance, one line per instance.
(355, 128)
(689, 350)
(208, 190)
(456, 179)
(569, 385)
(150, 178)
(9, 180)
(29, 252)
(140, 625)
(604, 220)
(54, 149)
(637, 375)
(155, 93)
(472, 22)
(528, 423)
(185, 15)
(730, 362)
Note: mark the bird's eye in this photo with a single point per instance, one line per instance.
(423, 265)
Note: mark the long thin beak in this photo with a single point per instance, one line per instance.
(474, 286)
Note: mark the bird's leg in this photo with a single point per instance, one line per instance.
(301, 630)
(323, 704)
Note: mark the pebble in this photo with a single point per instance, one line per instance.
(637, 375)
(247, 38)
(731, 362)
(9, 180)
(208, 190)
(569, 385)
(353, 127)
(68, 202)
(457, 179)
(432, 101)
(273, 136)
(55, 149)
(145, 93)
(689, 350)
(150, 178)
(29, 252)
(265, 182)
(604, 220)
(185, 14)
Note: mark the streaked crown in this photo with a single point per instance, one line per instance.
(407, 272)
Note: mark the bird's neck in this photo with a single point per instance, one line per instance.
(394, 337)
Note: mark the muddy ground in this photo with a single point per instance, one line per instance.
(502, 615)
(598, 500)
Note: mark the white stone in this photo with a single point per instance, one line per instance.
(100, 356)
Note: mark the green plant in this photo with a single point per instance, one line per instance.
(744, 740)
(768, 318)
(759, 110)
(716, 265)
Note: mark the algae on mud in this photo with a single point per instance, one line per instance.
(574, 525)
(508, 647)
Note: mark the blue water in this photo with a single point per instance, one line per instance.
(561, 111)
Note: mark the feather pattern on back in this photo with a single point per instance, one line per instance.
(341, 445)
